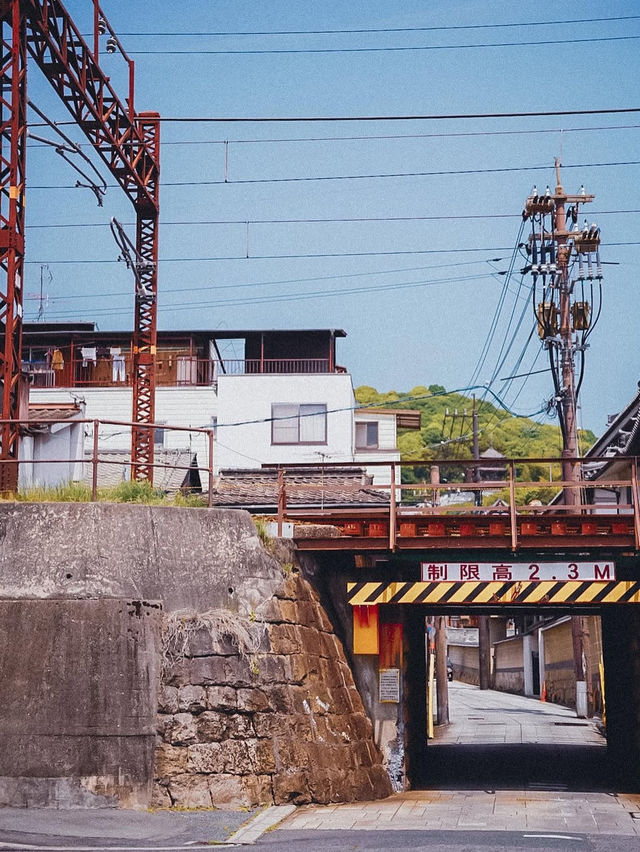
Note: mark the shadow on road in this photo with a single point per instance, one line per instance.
(503, 766)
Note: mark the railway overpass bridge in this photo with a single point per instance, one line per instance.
(412, 553)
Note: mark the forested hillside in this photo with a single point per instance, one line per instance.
(444, 436)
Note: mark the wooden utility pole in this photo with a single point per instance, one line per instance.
(442, 682)
(484, 652)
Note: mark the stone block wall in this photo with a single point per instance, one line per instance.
(282, 722)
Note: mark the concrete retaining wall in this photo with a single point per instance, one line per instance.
(78, 681)
(82, 587)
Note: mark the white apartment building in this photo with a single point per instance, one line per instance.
(271, 396)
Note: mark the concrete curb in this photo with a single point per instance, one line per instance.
(256, 827)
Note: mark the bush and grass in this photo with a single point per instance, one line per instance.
(126, 492)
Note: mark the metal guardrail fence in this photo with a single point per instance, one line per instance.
(95, 460)
(402, 504)
(509, 514)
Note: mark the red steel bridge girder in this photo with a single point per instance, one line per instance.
(129, 145)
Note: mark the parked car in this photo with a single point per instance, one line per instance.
(449, 669)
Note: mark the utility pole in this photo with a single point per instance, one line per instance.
(570, 471)
(564, 323)
(442, 681)
(563, 312)
(484, 639)
(477, 495)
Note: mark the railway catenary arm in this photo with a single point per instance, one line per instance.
(128, 143)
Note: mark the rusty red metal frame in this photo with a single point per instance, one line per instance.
(405, 527)
(13, 132)
(128, 143)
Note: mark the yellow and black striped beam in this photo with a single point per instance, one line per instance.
(489, 593)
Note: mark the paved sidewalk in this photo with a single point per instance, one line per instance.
(487, 723)
(583, 813)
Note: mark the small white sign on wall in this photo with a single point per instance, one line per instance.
(389, 692)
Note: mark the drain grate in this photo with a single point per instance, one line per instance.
(572, 724)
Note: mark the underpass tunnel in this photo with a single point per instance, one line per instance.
(388, 647)
(555, 749)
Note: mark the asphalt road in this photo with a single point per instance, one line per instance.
(442, 841)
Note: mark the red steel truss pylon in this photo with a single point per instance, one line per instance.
(144, 338)
(13, 133)
(129, 144)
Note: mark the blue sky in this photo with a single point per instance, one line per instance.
(416, 295)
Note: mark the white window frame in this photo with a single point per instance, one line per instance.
(368, 424)
(290, 417)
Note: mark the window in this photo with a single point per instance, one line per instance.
(298, 424)
(366, 436)
(159, 434)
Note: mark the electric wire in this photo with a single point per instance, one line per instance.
(387, 49)
(302, 119)
(378, 137)
(291, 297)
(244, 285)
(372, 176)
(363, 30)
(388, 403)
(68, 146)
(308, 255)
(494, 322)
(320, 221)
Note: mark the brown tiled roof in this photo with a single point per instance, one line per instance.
(259, 488)
(52, 411)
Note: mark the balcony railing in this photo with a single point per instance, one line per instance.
(272, 366)
(171, 370)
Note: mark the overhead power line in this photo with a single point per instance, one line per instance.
(373, 176)
(298, 280)
(382, 136)
(293, 296)
(395, 49)
(319, 221)
(306, 255)
(443, 28)
(300, 119)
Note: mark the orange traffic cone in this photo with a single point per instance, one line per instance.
(543, 692)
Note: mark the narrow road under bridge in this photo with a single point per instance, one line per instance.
(501, 741)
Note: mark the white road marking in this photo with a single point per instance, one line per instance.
(554, 836)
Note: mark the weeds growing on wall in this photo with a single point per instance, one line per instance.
(126, 492)
(246, 634)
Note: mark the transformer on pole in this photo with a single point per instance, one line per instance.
(564, 260)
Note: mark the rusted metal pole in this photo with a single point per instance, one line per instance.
(210, 468)
(94, 461)
(512, 506)
(282, 500)
(393, 509)
(435, 480)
